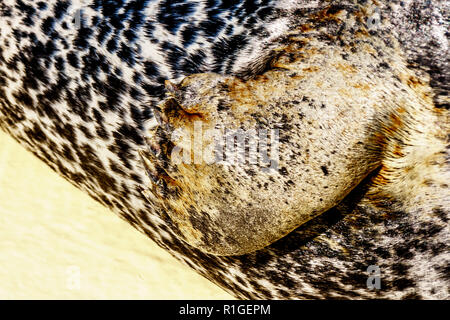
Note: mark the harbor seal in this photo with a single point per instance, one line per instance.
(356, 89)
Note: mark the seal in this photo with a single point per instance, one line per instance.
(353, 95)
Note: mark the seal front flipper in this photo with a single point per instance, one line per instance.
(245, 162)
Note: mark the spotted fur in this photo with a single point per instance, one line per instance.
(82, 99)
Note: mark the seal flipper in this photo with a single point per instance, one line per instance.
(332, 109)
(324, 148)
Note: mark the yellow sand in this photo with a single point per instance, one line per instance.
(57, 243)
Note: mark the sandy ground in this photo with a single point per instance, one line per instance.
(57, 243)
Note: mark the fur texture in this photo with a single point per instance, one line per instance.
(82, 99)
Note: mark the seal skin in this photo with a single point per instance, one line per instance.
(357, 90)
(248, 219)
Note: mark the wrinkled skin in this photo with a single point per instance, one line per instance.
(360, 105)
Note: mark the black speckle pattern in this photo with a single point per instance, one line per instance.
(79, 98)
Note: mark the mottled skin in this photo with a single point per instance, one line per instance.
(312, 181)
(357, 107)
